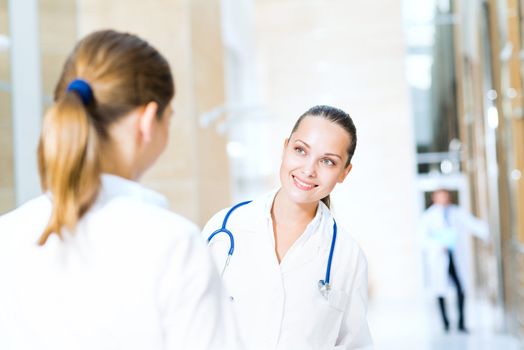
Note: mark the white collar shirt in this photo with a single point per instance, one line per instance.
(279, 306)
(131, 276)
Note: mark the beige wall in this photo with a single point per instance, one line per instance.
(7, 193)
(58, 27)
(350, 54)
(193, 172)
(7, 196)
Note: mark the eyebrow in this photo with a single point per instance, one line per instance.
(326, 154)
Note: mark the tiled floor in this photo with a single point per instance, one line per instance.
(415, 324)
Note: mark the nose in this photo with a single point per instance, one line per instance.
(308, 169)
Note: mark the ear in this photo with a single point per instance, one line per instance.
(146, 121)
(345, 173)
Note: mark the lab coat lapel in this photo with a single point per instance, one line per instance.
(308, 246)
(301, 255)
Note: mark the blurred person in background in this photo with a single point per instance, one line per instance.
(98, 262)
(274, 250)
(445, 230)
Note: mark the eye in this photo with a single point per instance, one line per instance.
(300, 150)
(327, 162)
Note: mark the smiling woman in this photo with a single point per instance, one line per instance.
(332, 130)
(281, 244)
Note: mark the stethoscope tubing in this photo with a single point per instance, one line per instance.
(230, 235)
(331, 251)
(324, 285)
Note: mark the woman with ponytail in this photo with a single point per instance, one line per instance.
(97, 262)
(295, 279)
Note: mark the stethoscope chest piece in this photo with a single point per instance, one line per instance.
(324, 288)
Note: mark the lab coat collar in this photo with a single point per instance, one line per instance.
(442, 207)
(116, 186)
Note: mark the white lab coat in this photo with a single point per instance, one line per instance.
(280, 306)
(132, 276)
(462, 224)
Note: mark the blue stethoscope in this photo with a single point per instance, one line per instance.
(323, 285)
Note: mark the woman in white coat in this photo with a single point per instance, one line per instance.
(97, 262)
(282, 290)
(445, 230)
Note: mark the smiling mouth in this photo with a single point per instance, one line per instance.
(302, 185)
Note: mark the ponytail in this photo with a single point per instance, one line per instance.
(68, 163)
(94, 91)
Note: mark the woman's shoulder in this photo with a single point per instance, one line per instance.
(138, 216)
(350, 247)
(30, 217)
(40, 205)
(344, 239)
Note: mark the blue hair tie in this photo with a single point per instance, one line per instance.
(82, 88)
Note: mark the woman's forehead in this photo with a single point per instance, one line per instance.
(323, 133)
(321, 127)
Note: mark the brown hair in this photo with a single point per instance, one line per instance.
(338, 117)
(124, 72)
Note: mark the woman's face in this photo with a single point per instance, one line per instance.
(314, 160)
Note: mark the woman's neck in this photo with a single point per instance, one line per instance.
(114, 160)
(290, 219)
(285, 210)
